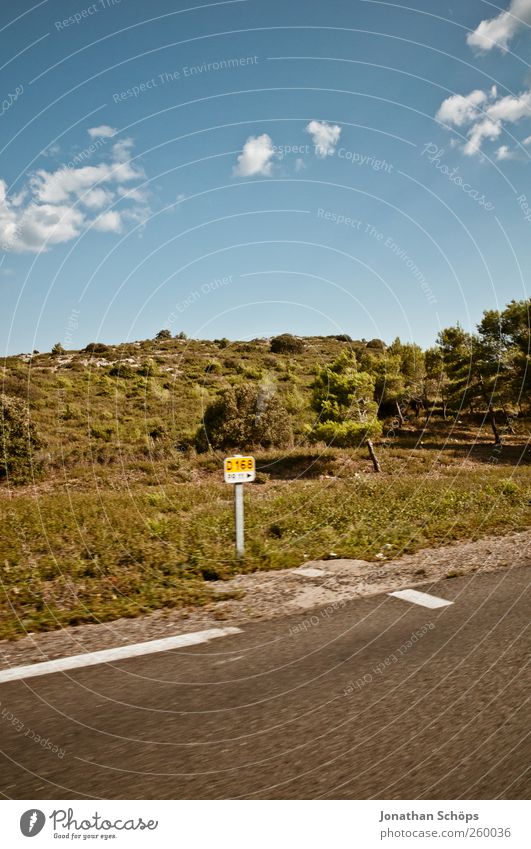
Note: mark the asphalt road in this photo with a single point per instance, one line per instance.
(331, 704)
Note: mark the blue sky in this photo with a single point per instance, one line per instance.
(243, 169)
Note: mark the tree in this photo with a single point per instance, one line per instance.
(19, 440)
(472, 371)
(506, 337)
(163, 335)
(343, 398)
(389, 384)
(436, 384)
(245, 416)
(58, 349)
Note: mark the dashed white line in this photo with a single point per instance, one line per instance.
(109, 655)
(424, 599)
(229, 660)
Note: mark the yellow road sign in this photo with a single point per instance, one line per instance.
(239, 469)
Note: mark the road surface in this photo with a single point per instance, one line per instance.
(378, 698)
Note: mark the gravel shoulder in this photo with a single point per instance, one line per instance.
(266, 595)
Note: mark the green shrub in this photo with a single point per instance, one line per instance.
(96, 348)
(19, 440)
(123, 370)
(148, 368)
(348, 434)
(242, 417)
(286, 344)
(103, 432)
(508, 487)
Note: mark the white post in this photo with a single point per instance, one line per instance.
(238, 518)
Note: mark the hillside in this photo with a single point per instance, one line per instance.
(125, 516)
(142, 400)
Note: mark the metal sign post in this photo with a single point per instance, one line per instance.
(237, 471)
(238, 519)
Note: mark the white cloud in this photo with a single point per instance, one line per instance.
(511, 108)
(459, 110)
(102, 132)
(498, 31)
(256, 157)
(324, 136)
(486, 129)
(57, 186)
(53, 150)
(527, 140)
(483, 114)
(137, 214)
(56, 206)
(504, 152)
(108, 222)
(42, 224)
(97, 198)
(300, 165)
(133, 193)
(19, 198)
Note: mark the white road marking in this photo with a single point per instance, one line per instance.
(109, 655)
(229, 660)
(423, 599)
(310, 573)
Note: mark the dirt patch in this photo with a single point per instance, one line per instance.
(266, 595)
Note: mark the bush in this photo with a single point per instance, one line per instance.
(286, 344)
(377, 344)
(96, 348)
(19, 439)
(348, 434)
(58, 349)
(123, 370)
(242, 417)
(148, 368)
(162, 335)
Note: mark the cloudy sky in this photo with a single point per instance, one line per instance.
(242, 169)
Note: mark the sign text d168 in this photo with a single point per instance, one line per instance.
(239, 469)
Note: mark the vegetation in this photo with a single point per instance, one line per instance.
(129, 513)
(77, 557)
(163, 335)
(19, 440)
(343, 398)
(286, 344)
(245, 417)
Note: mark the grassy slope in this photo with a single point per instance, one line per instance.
(123, 523)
